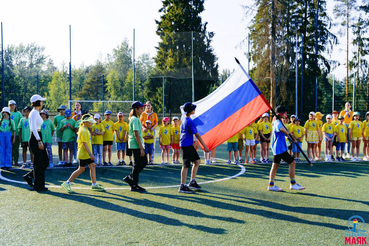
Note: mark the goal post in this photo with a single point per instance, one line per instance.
(94, 106)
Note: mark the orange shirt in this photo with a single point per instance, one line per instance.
(148, 116)
(346, 119)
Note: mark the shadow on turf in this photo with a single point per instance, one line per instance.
(93, 200)
(267, 213)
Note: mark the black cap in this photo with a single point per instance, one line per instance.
(280, 109)
(28, 108)
(137, 104)
(189, 107)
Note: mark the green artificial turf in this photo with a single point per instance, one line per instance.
(237, 211)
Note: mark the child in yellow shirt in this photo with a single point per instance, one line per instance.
(232, 145)
(355, 134)
(108, 137)
(312, 135)
(328, 131)
(97, 133)
(120, 129)
(148, 137)
(265, 128)
(176, 135)
(249, 142)
(318, 146)
(240, 145)
(366, 137)
(165, 139)
(341, 133)
(257, 141)
(298, 133)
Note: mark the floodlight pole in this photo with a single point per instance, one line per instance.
(163, 99)
(316, 55)
(333, 95)
(70, 62)
(353, 93)
(193, 73)
(2, 67)
(296, 82)
(37, 84)
(302, 75)
(103, 92)
(134, 67)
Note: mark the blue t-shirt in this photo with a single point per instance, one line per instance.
(188, 128)
(278, 138)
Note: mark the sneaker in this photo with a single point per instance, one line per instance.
(67, 164)
(128, 180)
(213, 161)
(67, 187)
(263, 161)
(268, 161)
(51, 165)
(194, 185)
(151, 162)
(348, 156)
(124, 163)
(162, 163)
(317, 158)
(137, 188)
(75, 161)
(119, 163)
(166, 163)
(236, 162)
(358, 159)
(110, 164)
(184, 189)
(296, 186)
(246, 162)
(353, 159)
(28, 179)
(61, 164)
(274, 188)
(241, 160)
(105, 164)
(229, 162)
(130, 163)
(365, 158)
(97, 187)
(338, 159)
(332, 158)
(253, 162)
(23, 166)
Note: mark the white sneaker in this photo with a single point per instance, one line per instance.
(358, 159)
(348, 156)
(274, 188)
(365, 158)
(353, 159)
(296, 186)
(213, 161)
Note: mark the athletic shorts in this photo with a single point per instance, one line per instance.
(257, 142)
(121, 146)
(250, 142)
(86, 162)
(149, 148)
(240, 144)
(329, 135)
(289, 146)
(232, 146)
(24, 145)
(340, 146)
(189, 155)
(58, 140)
(266, 136)
(295, 149)
(334, 141)
(356, 138)
(164, 147)
(176, 146)
(105, 143)
(283, 156)
(68, 145)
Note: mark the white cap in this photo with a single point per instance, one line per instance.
(313, 113)
(12, 102)
(328, 116)
(6, 109)
(36, 97)
(175, 118)
(148, 121)
(265, 115)
(97, 116)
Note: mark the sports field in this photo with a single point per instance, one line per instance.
(229, 211)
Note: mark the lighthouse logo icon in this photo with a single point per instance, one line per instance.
(356, 234)
(356, 224)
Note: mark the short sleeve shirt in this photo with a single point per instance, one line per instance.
(355, 125)
(5, 127)
(46, 130)
(366, 128)
(347, 116)
(278, 138)
(16, 117)
(165, 132)
(97, 139)
(233, 139)
(148, 133)
(176, 133)
(188, 129)
(109, 129)
(26, 132)
(311, 125)
(328, 128)
(341, 131)
(119, 128)
(68, 133)
(250, 132)
(84, 136)
(134, 125)
(57, 120)
(297, 131)
(265, 127)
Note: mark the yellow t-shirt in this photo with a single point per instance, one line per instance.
(265, 127)
(84, 136)
(365, 126)
(290, 126)
(148, 133)
(119, 129)
(335, 121)
(256, 127)
(109, 130)
(98, 139)
(311, 125)
(165, 133)
(249, 132)
(328, 128)
(233, 139)
(176, 133)
(320, 124)
(341, 131)
(298, 131)
(356, 127)
(241, 133)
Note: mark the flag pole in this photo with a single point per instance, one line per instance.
(274, 113)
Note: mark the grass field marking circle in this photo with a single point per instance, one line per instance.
(243, 170)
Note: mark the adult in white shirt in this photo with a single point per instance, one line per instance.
(41, 160)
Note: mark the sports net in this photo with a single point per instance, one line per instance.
(93, 106)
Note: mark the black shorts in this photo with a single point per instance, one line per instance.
(24, 145)
(105, 143)
(189, 155)
(86, 162)
(283, 156)
(266, 136)
(290, 146)
(129, 152)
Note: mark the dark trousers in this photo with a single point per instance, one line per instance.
(41, 161)
(15, 150)
(140, 163)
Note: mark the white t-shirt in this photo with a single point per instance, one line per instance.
(35, 122)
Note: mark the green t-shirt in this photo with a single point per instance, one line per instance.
(57, 120)
(4, 127)
(68, 133)
(26, 132)
(46, 130)
(16, 117)
(134, 125)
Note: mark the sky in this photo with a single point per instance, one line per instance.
(100, 26)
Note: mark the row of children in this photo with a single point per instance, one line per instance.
(334, 132)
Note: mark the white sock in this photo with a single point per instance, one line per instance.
(93, 184)
(68, 182)
(119, 160)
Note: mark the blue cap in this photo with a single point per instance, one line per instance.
(62, 107)
(68, 113)
(137, 104)
(297, 118)
(189, 107)
(107, 112)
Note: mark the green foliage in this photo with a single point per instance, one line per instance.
(57, 91)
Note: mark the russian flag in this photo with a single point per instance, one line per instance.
(229, 109)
